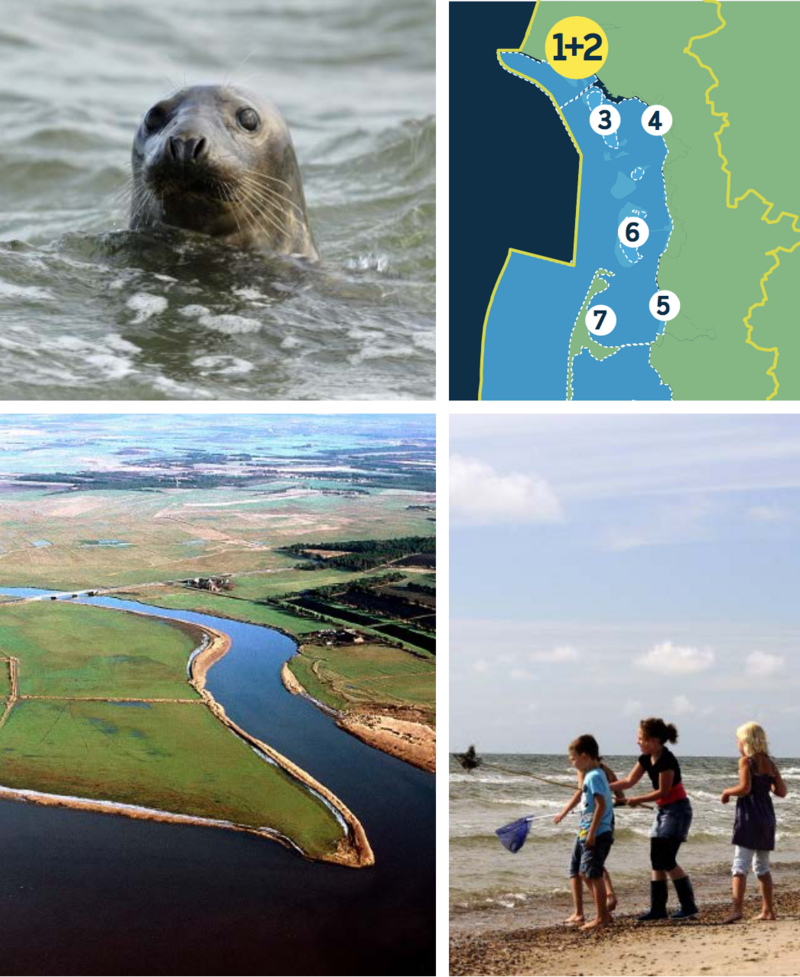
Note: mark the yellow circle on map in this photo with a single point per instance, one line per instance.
(576, 47)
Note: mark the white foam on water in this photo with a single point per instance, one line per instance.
(232, 325)
(222, 365)
(9, 291)
(368, 262)
(146, 306)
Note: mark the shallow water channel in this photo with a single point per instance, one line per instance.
(90, 893)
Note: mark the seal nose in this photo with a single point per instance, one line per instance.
(187, 149)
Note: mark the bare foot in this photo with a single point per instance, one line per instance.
(611, 903)
(767, 915)
(734, 917)
(576, 919)
(595, 924)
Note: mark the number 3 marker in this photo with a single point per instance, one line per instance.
(605, 119)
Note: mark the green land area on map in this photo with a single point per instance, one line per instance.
(717, 255)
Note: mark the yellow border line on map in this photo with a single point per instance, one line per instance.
(530, 254)
(737, 200)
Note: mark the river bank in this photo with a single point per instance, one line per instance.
(400, 735)
(629, 948)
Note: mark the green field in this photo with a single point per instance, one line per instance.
(366, 675)
(265, 585)
(176, 757)
(78, 650)
(187, 599)
(177, 533)
(169, 756)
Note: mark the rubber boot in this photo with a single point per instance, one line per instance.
(686, 896)
(658, 902)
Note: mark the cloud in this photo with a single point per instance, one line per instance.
(521, 675)
(669, 659)
(681, 705)
(768, 513)
(482, 496)
(761, 663)
(632, 707)
(564, 653)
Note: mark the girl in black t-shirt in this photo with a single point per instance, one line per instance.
(673, 817)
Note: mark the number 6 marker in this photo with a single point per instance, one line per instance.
(633, 232)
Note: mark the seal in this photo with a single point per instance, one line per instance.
(219, 160)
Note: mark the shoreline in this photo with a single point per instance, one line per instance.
(628, 949)
(353, 851)
(407, 740)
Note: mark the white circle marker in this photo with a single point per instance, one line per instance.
(633, 232)
(665, 305)
(600, 320)
(656, 119)
(605, 120)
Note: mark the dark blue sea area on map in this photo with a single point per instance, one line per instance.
(537, 302)
(487, 208)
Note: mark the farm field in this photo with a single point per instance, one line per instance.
(169, 756)
(172, 756)
(76, 650)
(367, 675)
(189, 599)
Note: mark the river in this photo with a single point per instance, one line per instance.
(97, 894)
(89, 310)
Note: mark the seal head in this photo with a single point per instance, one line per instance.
(219, 160)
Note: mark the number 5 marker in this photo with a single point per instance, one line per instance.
(665, 305)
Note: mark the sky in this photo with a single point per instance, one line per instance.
(605, 568)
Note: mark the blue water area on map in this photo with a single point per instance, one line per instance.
(537, 301)
(627, 375)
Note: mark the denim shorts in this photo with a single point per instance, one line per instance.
(743, 858)
(673, 821)
(590, 862)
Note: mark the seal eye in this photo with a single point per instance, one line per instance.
(248, 119)
(155, 118)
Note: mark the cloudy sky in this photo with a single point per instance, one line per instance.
(609, 567)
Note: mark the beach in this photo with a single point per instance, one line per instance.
(705, 946)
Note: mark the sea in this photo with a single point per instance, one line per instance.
(491, 889)
(91, 310)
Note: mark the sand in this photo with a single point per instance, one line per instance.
(702, 947)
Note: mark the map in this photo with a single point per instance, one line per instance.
(664, 268)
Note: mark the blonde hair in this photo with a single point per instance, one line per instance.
(753, 739)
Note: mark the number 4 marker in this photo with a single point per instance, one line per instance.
(656, 120)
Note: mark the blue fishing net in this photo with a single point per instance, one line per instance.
(512, 836)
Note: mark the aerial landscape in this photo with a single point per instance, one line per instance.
(228, 623)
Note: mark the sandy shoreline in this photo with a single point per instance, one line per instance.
(628, 949)
(400, 736)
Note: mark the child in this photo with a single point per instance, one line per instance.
(754, 826)
(672, 821)
(577, 916)
(595, 833)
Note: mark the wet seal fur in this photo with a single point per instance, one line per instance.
(219, 160)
